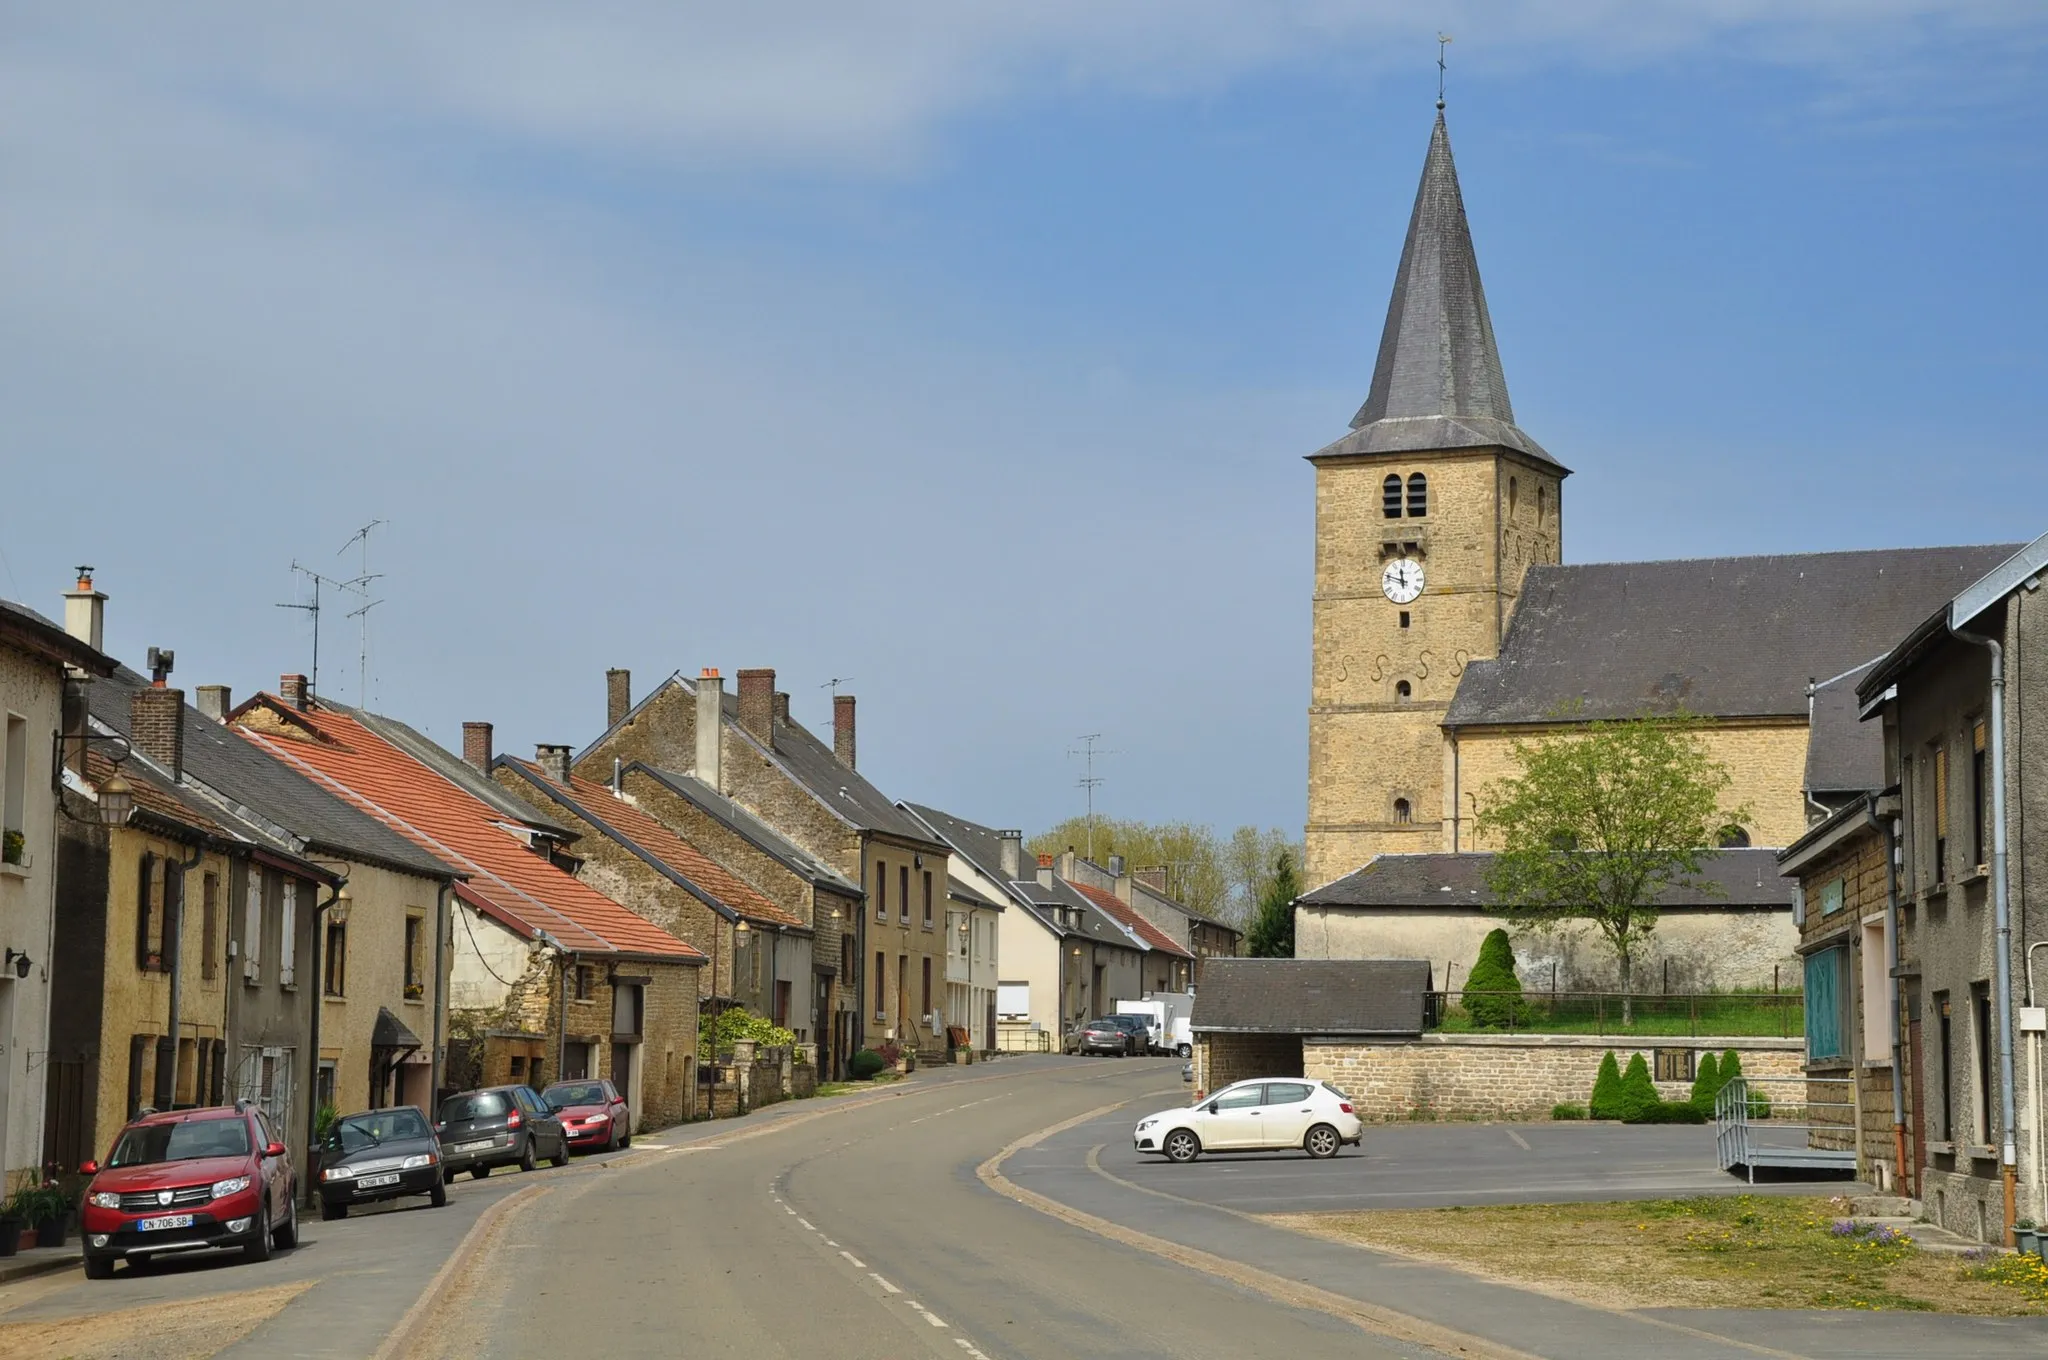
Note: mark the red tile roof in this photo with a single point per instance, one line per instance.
(595, 803)
(1113, 907)
(508, 881)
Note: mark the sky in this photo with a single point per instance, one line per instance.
(967, 353)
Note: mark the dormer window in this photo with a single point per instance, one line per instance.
(1390, 496)
(1418, 496)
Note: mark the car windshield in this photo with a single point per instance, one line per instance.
(353, 1133)
(475, 1105)
(575, 1093)
(181, 1142)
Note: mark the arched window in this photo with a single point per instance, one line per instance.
(1734, 838)
(1418, 496)
(1402, 812)
(1514, 495)
(1403, 691)
(1390, 496)
(1542, 505)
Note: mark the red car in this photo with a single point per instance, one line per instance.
(594, 1114)
(190, 1180)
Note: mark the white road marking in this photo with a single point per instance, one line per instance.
(830, 1243)
(1518, 1139)
(884, 1283)
(964, 1344)
(858, 1264)
(806, 1222)
(926, 1313)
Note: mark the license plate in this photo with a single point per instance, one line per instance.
(372, 1182)
(478, 1145)
(167, 1221)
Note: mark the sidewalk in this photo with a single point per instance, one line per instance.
(39, 1261)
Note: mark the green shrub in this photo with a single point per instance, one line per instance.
(1493, 994)
(1605, 1103)
(717, 1033)
(1706, 1083)
(1670, 1112)
(1638, 1093)
(865, 1065)
(1731, 1069)
(1567, 1111)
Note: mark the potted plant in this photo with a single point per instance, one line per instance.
(2025, 1236)
(42, 1209)
(10, 1233)
(12, 847)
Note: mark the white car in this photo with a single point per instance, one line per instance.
(1255, 1116)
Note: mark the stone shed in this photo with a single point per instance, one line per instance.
(1253, 1016)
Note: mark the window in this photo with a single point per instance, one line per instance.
(1980, 795)
(14, 793)
(1403, 691)
(782, 1002)
(148, 913)
(1243, 1098)
(1390, 496)
(209, 927)
(586, 979)
(1404, 618)
(1735, 838)
(1287, 1092)
(881, 890)
(903, 891)
(1985, 1039)
(1944, 1088)
(1827, 1003)
(1939, 765)
(881, 983)
(927, 899)
(415, 962)
(518, 1072)
(1418, 496)
(1542, 504)
(1403, 813)
(1514, 494)
(925, 1008)
(334, 959)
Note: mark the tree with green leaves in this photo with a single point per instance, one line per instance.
(1272, 930)
(1600, 822)
(1493, 993)
(1226, 879)
(1706, 1083)
(1605, 1101)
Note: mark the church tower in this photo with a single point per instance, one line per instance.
(1427, 516)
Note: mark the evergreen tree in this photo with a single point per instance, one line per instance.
(1606, 1090)
(1493, 994)
(1638, 1101)
(1706, 1084)
(1272, 932)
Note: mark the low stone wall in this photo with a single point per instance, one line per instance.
(1485, 1076)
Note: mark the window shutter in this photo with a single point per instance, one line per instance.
(1824, 1004)
(252, 926)
(287, 931)
(170, 925)
(145, 894)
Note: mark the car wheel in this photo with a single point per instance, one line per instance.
(1181, 1146)
(527, 1161)
(259, 1246)
(626, 1138)
(438, 1196)
(1322, 1141)
(479, 1172)
(287, 1236)
(561, 1157)
(1184, 1051)
(99, 1267)
(330, 1212)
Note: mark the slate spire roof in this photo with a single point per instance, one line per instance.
(1438, 383)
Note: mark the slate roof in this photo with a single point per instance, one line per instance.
(1149, 935)
(750, 828)
(1718, 636)
(260, 789)
(1312, 996)
(1963, 611)
(47, 637)
(1747, 877)
(964, 892)
(509, 882)
(1438, 382)
(667, 853)
(391, 1032)
(982, 847)
(184, 809)
(1844, 754)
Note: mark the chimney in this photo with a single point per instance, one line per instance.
(85, 612)
(1122, 887)
(618, 695)
(156, 725)
(214, 702)
(757, 704)
(292, 689)
(553, 761)
(781, 706)
(1155, 879)
(1045, 871)
(1115, 866)
(710, 724)
(476, 745)
(1012, 862)
(1067, 864)
(842, 729)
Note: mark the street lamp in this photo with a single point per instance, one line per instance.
(16, 961)
(116, 795)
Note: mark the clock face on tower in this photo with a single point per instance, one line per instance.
(1402, 580)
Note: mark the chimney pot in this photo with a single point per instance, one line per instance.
(842, 729)
(215, 701)
(757, 704)
(710, 726)
(553, 761)
(1012, 854)
(292, 689)
(85, 612)
(618, 695)
(156, 724)
(1045, 871)
(476, 745)
(1116, 865)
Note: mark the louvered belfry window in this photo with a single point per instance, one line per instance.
(1418, 496)
(1390, 496)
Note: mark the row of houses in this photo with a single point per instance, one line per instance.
(304, 904)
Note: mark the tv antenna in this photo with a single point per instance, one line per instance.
(1443, 41)
(313, 610)
(835, 682)
(1089, 780)
(360, 587)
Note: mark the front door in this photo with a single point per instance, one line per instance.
(1235, 1119)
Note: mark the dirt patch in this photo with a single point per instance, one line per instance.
(1710, 1252)
(190, 1329)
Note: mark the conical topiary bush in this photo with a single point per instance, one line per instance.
(1493, 994)
(1638, 1100)
(1706, 1083)
(1606, 1100)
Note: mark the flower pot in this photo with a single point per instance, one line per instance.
(10, 1236)
(52, 1234)
(2024, 1239)
(29, 1240)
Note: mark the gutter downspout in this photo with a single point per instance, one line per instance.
(1906, 1177)
(1457, 809)
(309, 1189)
(2034, 1050)
(2008, 1146)
(174, 956)
(564, 960)
(444, 929)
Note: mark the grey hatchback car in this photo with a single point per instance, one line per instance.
(499, 1126)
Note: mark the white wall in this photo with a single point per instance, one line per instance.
(31, 690)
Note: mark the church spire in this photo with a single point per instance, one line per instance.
(1438, 382)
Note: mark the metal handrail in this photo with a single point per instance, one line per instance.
(1751, 1125)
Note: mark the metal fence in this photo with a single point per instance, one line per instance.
(1649, 1014)
(1018, 1039)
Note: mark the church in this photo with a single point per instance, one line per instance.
(1447, 625)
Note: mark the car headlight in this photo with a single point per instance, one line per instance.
(417, 1161)
(338, 1173)
(231, 1185)
(106, 1199)
(1144, 1124)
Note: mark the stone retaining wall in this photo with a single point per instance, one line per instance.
(1484, 1076)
